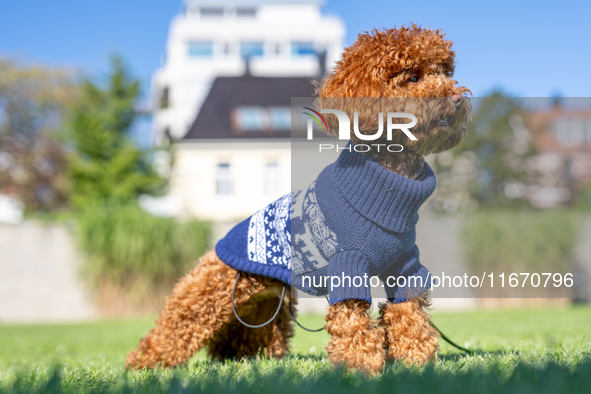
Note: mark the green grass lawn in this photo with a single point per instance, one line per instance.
(528, 350)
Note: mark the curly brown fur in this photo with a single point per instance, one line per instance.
(355, 340)
(199, 308)
(410, 336)
(380, 63)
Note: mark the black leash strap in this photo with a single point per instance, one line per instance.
(298, 323)
(471, 352)
(260, 325)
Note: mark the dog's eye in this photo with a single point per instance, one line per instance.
(414, 79)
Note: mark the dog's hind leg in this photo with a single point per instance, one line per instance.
(200, 306)
(410, 336)
(355, 341)
(235, 340)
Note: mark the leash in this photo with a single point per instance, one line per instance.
(298, 323)
(470, 352)
(259, 325)
(445, 337)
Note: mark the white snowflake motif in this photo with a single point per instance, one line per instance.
(269, 237)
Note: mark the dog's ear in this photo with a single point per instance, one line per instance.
(363, 70)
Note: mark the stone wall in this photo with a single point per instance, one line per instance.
(40, 279)
(39, 275)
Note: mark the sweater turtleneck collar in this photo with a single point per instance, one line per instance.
(390, 200)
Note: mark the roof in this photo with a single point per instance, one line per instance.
(217, 116)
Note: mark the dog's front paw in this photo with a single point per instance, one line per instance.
(409, 335)
(356, 342)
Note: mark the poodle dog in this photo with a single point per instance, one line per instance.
(411, 68)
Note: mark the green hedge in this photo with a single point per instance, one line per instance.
(123, 245)
(535, 241)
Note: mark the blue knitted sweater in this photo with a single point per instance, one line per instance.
(357, 220)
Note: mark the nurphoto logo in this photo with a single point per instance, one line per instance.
(345, 129)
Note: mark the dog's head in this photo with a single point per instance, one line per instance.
(396, 66)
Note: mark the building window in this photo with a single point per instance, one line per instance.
(300, 48)
(251, 118)
(570, 132)
(251, 49)
(280, 118)
(224, 183)
(211, 12)
(246, 12)
(272, 178)
(262, 118)
(201, 49)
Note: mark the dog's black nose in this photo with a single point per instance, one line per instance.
(457, 99)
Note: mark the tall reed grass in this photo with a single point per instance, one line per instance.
(530, 242)
(134, 258)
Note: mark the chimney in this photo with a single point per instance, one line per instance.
(556, 100)
(247, 66)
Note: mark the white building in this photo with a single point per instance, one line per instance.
(212, 38)
(236, 157)
(223, 95)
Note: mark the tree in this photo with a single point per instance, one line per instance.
(32, 160)
(105, 165)
(488, 168)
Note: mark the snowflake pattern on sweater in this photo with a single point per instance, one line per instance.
(269, 234)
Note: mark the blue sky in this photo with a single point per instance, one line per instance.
(527, 48)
